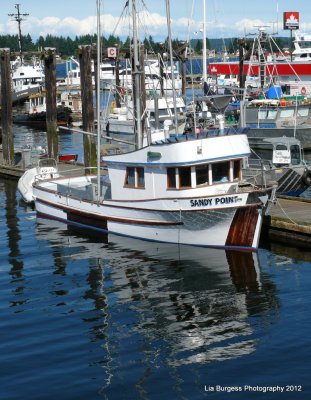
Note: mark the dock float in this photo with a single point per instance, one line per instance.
(290, 221)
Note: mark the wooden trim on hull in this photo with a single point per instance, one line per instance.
(99, 221)
(243, 227)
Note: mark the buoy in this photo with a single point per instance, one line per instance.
(282, 102)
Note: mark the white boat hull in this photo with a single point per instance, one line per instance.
(216, 221)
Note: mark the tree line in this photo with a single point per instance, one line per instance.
(66, 46)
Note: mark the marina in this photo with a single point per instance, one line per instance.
(157, 245)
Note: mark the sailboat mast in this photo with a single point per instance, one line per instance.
(136, 75)
(168, 16)
(19, 18)
(204, 43)
(98, 49)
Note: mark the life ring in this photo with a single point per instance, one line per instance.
(306, 177)
(303, 90)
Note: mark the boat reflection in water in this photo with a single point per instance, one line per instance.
(186, 305)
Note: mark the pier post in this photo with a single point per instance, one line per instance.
(6, 107)
(89, 141)
(49, 57)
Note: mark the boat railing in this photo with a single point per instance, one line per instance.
(202, 135)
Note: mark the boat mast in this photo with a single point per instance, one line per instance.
(136, 76)
(168, 16)
(19, 18)
(204, 44)
(98, 48)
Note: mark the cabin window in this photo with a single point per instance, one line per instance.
(305, 44)
(287, 113)
(272, 114)
(295, 154)
(236, 169)
(171, 178)
(302, 112)
(201, 175)
(262, 114)
(221, 171)
(163, 113)
(184, 177)
(140, 177)
(135, 177)
(130, 177)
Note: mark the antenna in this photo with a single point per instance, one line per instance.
(19, 18)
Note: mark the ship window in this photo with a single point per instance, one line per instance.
(202, 174)
(130, 176)
(221, 171)
(236, 169)
(171, 178)
(287, 113)
(140, 175)
(135, 177)
(295, 154)
(272, 114)
(305, 44)
(303, 112)
(262, 114)
(184, 177)
(163, 113)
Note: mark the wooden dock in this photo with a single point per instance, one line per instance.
(290, 221)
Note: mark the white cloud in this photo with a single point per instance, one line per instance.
(152, 24)
(249, 25)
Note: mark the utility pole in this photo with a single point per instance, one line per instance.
(19, 18)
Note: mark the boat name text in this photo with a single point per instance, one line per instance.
(215, 201)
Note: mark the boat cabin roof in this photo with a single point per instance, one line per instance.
(202, 135)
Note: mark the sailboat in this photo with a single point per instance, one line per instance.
(182, 189)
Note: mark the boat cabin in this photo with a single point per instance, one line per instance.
(286, 151)
(181, 166)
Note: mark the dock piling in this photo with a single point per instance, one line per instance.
(89, 142)
(49, 57)
(6, 107)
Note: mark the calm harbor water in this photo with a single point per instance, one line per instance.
(100, 317)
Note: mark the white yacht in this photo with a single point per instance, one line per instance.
(302, 44)
(160, 112)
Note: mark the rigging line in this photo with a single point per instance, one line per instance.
(121, 16)
(284, 212)
(287, 62)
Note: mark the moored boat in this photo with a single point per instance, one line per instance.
(183, 189)
(69, 157)
(45, 169)
(279, 161)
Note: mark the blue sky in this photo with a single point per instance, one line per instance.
(225, 18)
